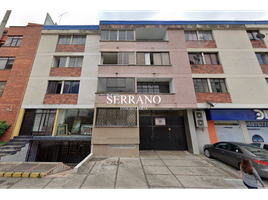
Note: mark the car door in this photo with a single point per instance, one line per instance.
(233, 155)
(220, 150)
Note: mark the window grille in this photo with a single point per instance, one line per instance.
(116, 117)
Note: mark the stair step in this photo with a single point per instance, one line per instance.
(7, 151)
(15, 147)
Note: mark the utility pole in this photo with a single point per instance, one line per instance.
(4, 22)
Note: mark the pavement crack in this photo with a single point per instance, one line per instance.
(118, 163)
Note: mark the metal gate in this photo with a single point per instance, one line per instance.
(58, 151)
(168, 136)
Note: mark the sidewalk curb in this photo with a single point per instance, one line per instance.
(22, 175)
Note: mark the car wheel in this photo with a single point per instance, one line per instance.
(207, 153)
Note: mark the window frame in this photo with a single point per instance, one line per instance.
(107, 35)
(155, 90)
(2, 87)
(13, 39)
(57, 60)
(188, 34)
(211, 88)
(252, 34)
(104, 88)
(59, 87)
(5, 66)
(260, 58)
(71, 39)
(149, 58)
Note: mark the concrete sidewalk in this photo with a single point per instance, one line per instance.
(153, 170)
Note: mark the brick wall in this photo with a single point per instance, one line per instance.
(264, 69)
(17, 78)
(60, 99)
(70, 48)
(213, 97)
(258, 44)
(200, 44)
(66, 71)
(207, 69)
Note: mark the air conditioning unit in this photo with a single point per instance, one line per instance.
(200, 119)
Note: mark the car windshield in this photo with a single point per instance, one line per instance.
(256, 151)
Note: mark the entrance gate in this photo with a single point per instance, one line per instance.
(170, 135)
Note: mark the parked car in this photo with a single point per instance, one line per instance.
(232, 153)
(261, 145)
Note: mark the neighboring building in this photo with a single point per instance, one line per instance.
(18, 47)
(145, 85)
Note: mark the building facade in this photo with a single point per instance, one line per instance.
(18, 47)
(125, 86)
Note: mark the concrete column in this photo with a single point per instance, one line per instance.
(4, 22)
(191, 136)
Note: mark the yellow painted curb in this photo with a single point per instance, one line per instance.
(25, 175)
(35, 175)
(8, 174)
(17, 174)
(2, 174)
(41, 175)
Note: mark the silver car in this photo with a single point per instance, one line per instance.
(233, 152)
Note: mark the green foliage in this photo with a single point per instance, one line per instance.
(3, 127)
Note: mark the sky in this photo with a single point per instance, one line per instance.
(70, 17)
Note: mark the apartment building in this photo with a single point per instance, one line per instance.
(58, 106)
(125, 86)
(18, 47)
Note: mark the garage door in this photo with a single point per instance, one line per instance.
(170, 135)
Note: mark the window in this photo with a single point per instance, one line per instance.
(72, 39)
(68, 61)
(63, 87)
(210, 85)
(198, 35)
(151, 87)
(195, 58)
(211, 58)
(252, 35)
(218, 85)
(38, 122)
(262, 58)
(13, 41)
(203, 58)
(116, 84)
(6, 63)
(266, 80)
(79, 39)
(190, 35)
(201, 85)
(118, 58)
(71, 87)
(205, 35)
(153, 58)
(2, 87)
(117, 35)
(116, 117)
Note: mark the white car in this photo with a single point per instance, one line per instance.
(261, 145)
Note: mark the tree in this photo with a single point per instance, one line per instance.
(3, 127)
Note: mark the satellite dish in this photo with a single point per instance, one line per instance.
(260, 36)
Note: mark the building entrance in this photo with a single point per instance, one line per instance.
(162, 130)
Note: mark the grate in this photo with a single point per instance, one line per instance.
(116, 117)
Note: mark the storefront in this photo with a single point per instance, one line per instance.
(240, 125)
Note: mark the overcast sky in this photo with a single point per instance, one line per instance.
(92, 17)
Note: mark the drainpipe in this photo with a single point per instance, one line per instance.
(84, 161)
(4, 22)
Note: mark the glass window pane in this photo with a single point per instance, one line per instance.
(130, 84)
(111, 82)
(130, 35)
(67, 87)
(250, 35)
(18, 41)
(165, 58)
(122, 35)
(64, 39)
(79, 39)
(259, 58)
(214, 59)
(3, 62)
(113, 35)
(72, 61)
(8, 41)
(104, 35)
(75, 87)
(62, 62)
(140, 58)
(102, 84)
(207, 59)
(10, 63)
(264, 58)
(79, 61)
(157, 58)
(2, 87)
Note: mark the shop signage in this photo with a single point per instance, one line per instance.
(256, 124)
(129, 99)
(257, 138)
(238, 114)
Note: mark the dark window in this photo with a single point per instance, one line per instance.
(6, 63)
(218, 85)
(13, 41)
(262, 58)
(71, 87)
(252, 35)
(54, 87)
(116, 84)
(195, 58)
(201, 85)
(234, 148)
(153, 87)
(38, 122)
(2, 87)
(222, 145)
(116, 117)
(190, 35)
